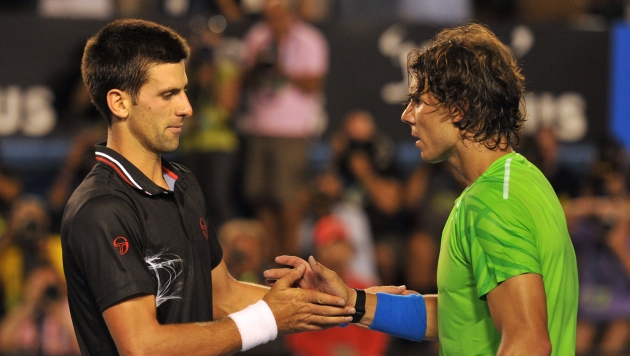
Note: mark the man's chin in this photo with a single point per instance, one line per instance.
(430, 159)
(168, 148)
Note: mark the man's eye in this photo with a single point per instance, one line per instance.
(410, 98)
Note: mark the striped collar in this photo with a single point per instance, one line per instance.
(132, 175)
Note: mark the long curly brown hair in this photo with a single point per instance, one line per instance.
(467, 69)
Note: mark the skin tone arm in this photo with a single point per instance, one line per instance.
(318, 277)
(134, 327)
(230, 295)
(519, 310)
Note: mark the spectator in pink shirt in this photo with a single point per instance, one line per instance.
(285, 62)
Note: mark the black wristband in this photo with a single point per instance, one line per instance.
(359, 306)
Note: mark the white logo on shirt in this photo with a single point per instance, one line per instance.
(166, 269)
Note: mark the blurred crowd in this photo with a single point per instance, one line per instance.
(259, 112)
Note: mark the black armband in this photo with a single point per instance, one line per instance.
(359, 306)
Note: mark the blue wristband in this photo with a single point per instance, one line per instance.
(402, 316)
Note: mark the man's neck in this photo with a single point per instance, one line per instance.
(148, 162)
(473, 159)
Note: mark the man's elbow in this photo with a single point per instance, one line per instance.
(140, 349)
(541, 344)
(133, 351)
(526, 346)
(544, 348)
(141, 345)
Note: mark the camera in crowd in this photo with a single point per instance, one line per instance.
(29, 231)
(268, 57)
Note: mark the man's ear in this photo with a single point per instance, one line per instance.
(458, 113)
(119, 103)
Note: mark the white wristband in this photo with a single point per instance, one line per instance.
(256, 324)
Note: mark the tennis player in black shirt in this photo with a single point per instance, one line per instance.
(145, 274)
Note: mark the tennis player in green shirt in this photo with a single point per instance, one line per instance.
(507, 274)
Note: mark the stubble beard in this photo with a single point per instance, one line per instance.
(164, 145)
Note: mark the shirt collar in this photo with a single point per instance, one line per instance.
(132, 175)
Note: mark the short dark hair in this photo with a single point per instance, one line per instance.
(467, 68)
(121, 53)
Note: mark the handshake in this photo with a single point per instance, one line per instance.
(306, 296)
(328, 301)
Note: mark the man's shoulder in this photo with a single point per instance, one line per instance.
(99, 193)
(485, 191)
(511, 176)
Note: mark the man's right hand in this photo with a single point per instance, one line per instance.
(304, 309)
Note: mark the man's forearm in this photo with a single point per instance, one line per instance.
(136, 331)
(238, 297)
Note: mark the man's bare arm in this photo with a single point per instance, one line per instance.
(519, 310)
(134, 327)
(230, 295)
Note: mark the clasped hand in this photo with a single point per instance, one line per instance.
(317, 277)
(306, 309)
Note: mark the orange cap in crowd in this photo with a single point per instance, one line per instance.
(327, 230)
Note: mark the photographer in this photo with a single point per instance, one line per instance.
(26, 245)
(41, 324)
(285, 62)
(364, 157)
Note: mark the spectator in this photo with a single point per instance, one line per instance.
(26, 246)
(334, 248)
(78, 163)
(545, 154)
(430, 193)
(618, 333)
(364, 157)
(210, 143)
(327, 199)
(285, 62)
(10, 189)
(243, 242)
(41, 324)
(599, 231)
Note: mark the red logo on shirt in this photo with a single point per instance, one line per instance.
(121, 244)
(204, 227)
